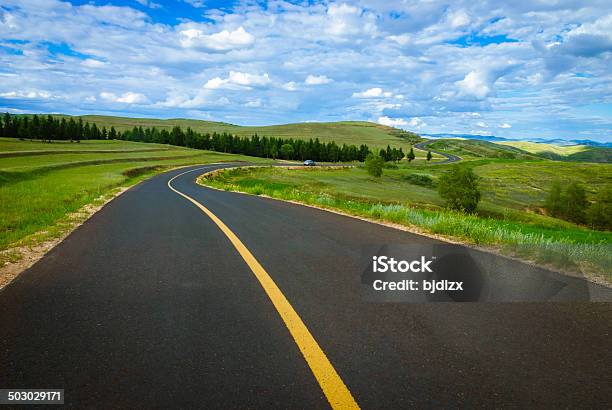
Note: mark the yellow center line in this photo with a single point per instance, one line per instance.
(333, 387)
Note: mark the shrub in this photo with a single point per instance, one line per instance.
(374, 165)
(553, 202)
(575, 203)
(420, 179)
(570, 204)
(599, 215)
(459, 189)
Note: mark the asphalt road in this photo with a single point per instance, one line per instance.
(149, 305)
(449, 157)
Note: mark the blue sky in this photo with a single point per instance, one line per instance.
(508, 68)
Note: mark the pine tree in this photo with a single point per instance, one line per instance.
(429, 155)
(410, 155)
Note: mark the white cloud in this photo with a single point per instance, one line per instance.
(343, 19)
(238, 80)
(254, 103)
(401, 39)
(474, 84)
(416, 123)
(481, 124)
(196, 3)
(505, 125)
(150, 4)
(128, 97)
(222, 41)
(317, 80)
(458, 18)
(290, 86)
(392, 122)
(375, 92)
(30, 94)
(93, 63)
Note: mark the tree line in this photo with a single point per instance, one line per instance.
(48, 128)
(255, 145)
(571, 204)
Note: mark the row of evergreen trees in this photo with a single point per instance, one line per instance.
(267, 147)
(47, 128)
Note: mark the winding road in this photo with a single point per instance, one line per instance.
(449, 157)
(176, 295)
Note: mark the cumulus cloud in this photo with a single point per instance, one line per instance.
(29, 94)
(238, 80)
(458, 18)
(505, 125)
(222, 41)
(474, 84)
(344, 19)
(392, 122)
(290, 86)
(416, 123)
(128, 97)
(93, 63)
(375, 92)
(317, 80)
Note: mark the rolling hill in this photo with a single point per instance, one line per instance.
(471, 149)
(578, 153)
(343, 132)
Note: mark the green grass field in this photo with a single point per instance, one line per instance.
(39, 191)
(539, 148)
(507, 217)
(343, 132)
(470, 149)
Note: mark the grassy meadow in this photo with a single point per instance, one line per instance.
(42, 184)
(472, 149)
(577, 153)
(539, 148)
(508, 217)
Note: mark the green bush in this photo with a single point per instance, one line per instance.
(459, 189)
(554, 200)
(374, 165)
(599, 215)
(575, 203)
(420, 179)
(570, 204)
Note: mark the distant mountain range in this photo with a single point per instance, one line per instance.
(492, 138)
